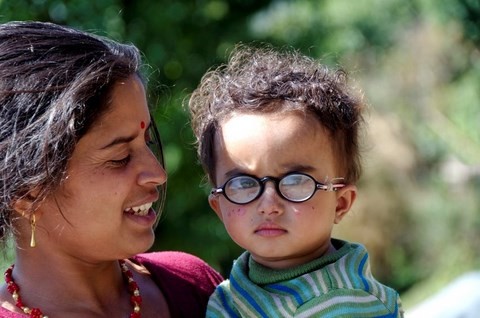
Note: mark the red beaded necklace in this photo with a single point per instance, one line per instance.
(135, 297)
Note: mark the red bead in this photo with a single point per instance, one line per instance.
(19, 303)
(132, 286)
(136, 300)
(12, 287)
(8, 274)
(135, 315)
(36, 313)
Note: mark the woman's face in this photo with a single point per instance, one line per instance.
(102, 210)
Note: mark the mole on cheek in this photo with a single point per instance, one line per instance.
(236, 212)
(241, 211)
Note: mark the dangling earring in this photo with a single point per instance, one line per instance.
(33, 224)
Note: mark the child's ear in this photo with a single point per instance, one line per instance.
(215, 205)
(345, 198)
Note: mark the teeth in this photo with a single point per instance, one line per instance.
(139, 210)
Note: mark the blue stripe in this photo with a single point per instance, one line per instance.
(249, 299)
(360, 272)
(223, 298)
(350, 270)
(289, 290)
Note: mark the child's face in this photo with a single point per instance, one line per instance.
(279, 233)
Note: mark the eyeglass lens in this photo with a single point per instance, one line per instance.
(293, 187)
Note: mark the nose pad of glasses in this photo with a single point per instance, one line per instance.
(270, 196)
(268, 189)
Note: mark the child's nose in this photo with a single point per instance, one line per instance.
(270, 201)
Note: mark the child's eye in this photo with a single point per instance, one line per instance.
(120, 163)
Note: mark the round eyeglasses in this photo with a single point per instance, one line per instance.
(294, 187)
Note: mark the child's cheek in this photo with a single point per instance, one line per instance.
(299, 211)
(236, 212)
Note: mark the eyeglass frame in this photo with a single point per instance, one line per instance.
(327, 187)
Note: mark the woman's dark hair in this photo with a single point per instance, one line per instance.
(54, 84)
(261, 79)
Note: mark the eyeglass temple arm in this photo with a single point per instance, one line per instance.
(330, 186)
(216, 191)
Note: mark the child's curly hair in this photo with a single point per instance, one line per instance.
(261, 79)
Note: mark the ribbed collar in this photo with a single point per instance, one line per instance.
(262, 275)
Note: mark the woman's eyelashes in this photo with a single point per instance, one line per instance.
(149, 142)
(121, 162)
(148, 137)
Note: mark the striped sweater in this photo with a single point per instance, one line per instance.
(339, 284)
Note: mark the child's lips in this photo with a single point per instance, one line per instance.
(270, 229)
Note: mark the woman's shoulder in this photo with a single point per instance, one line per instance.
(176, 263)
(185, 280)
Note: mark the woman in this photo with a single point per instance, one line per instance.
(79, 178)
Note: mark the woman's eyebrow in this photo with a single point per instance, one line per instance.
(119, 140)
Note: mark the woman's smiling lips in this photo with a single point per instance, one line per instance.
(269, 230)
(143, 213)
(145, 218)
(140, 210)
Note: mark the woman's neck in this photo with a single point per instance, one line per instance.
(70, 286)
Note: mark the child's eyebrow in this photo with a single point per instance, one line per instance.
(234, 172)
(299, 167)
(287, 168)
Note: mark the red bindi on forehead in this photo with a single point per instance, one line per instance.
(142, 124)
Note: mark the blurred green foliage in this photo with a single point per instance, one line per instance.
(418, 64)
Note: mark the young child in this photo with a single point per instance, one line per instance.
(277, 135)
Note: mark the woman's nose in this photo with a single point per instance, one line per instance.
(152, 170)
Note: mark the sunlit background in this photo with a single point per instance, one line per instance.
(418, 65)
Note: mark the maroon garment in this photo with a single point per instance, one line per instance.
(185, 280)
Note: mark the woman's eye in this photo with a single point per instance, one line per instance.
(148, 136)
(150, 143)
(120, 163)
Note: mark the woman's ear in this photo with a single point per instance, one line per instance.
(215, 205)
(345, 198)
(24, 206)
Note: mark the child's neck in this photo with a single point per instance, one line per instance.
(331, 249)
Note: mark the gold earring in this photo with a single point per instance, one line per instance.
(33, 225)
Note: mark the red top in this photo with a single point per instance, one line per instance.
(185, 280)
